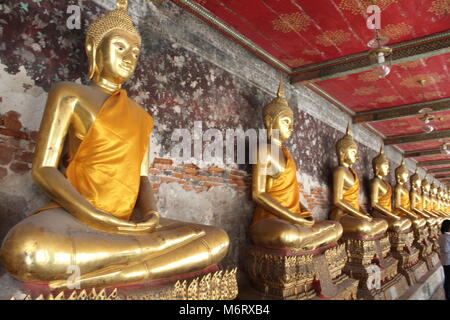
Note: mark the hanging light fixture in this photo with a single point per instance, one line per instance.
(445, 148)
(380, 56)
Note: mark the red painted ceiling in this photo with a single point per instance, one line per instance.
(301, 32)
(305, 32)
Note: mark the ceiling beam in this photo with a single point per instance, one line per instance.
(402, 52)
(402, 111)
(436, 170)
(420, 153)
(433, 163)
(442, 134)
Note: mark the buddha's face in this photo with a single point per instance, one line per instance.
(416, 184)
(382, 169)
(117, 56)
(349, 155)
(284, 124)
(433, 190)
(402, 177)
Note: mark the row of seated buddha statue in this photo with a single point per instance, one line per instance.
(375, 255)
(103, 218)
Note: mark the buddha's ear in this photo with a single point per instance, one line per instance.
(268, 125)
(91, 51)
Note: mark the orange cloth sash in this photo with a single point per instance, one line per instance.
(351, 195)
(285, 189)
(404, 203)
(386, 200)
(106, 166)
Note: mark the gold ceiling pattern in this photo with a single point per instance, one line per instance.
(369, 76)
(333, 38)
(414, 81)
(287, 22)
(296, 62)
(365, 91)
(440, 7)
(386, 99)
(311, 52)
(411, 64)
(360, 6)
(397, 31)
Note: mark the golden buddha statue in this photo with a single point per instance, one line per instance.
(347, 210)
(279, 221)
(441, 202)
(381, 196)
(423, 234)
(402, 203)
(426, 200)
(283, 233)
(103, 217)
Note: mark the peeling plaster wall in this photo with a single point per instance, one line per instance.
(187, 72)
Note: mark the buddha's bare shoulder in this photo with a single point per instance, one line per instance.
(75, 90)
(341, 170)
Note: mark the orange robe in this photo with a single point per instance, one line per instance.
(285, 189)
(106, 166)
(386, 200)
(351, 195)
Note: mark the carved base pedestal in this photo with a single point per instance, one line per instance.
(203, 285)
(432, 260)
(407, 255)
(377, 272)
(289, 275)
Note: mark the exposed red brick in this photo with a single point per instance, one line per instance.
(190, 166)
(34, 135)
(15, 134)
(238, 172)
(188, 188)
(11, 120)
(163, 161)
(170, 179)
(215, 169)
(242, 188)
(210, 184)
(178, 175)
(3, 173)
(155, 185)
(216, 179)
(154, 171)
(198, 189)
(162, 166)
(6, 154)
(24, 156)
(190, 171)
(19, 167)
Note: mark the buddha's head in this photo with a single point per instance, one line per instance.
(401, 173)
(113, 46)
(416, 181)
(434, 189)
(380, 164)
(277, 115)
(346, 148)
(426, 185)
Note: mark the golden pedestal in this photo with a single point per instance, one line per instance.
(425, 246)
(203, 285)
(369, 262)
(291, 275)
(407, 255)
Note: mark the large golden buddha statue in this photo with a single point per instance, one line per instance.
(402, 203)
(291, 253)
(441, 202)
(279, 221)
(381, 196)
(103, 216)
(347, 210)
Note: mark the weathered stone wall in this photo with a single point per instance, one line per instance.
(187, 72)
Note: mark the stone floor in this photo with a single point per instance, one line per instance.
(439, 294)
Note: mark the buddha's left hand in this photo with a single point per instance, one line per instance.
(149, 221)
